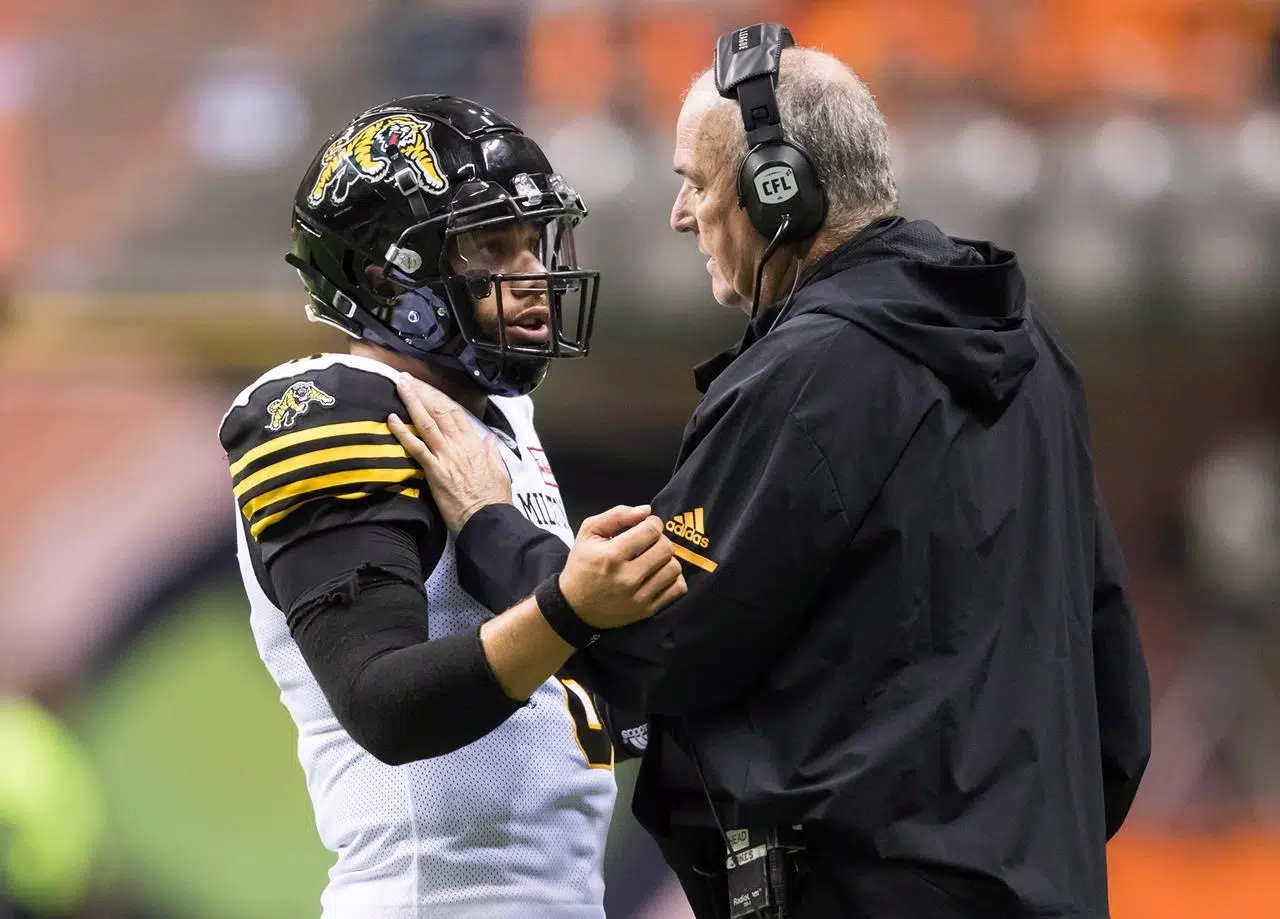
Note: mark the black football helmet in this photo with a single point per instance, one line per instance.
(400, 226)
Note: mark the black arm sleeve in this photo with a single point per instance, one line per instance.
(356, 609)
(503, 556)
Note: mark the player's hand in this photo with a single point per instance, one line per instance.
(464, 470)
(621, 568)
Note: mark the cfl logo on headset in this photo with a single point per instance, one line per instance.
(776, 184)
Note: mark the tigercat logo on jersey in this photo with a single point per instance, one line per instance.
(363, 154)
(295, 401)
(690, 526)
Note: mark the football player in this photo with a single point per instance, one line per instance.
(451, 771)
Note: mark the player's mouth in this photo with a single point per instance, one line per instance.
(530, 328)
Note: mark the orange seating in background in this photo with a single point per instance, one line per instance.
(929, 39)
(1041, 55)
(1197, 53)
(851, 31)
(572, 62)
(670, 58)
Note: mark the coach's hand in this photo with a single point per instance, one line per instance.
(621, 568)
(463, 469)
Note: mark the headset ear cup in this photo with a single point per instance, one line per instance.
(777, 180)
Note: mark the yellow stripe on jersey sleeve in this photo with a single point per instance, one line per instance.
(342, 429)
(330, 480)
(256, 528)
(318, 458)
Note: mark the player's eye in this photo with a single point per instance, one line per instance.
(494, 244)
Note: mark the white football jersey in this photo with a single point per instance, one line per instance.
(512, 825)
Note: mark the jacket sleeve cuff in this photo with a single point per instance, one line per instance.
(500, 523)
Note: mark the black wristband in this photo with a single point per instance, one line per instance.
(560, 615)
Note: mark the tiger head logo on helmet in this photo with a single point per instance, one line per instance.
(364, 154)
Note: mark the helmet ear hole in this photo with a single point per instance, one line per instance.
(378, 281)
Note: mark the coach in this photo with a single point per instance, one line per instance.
(907, 628)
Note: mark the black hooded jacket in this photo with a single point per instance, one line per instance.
(907, 624)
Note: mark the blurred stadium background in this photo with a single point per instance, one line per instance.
(1128, 149)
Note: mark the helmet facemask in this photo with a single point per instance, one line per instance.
(509, 269)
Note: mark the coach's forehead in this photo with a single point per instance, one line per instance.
(701, 100)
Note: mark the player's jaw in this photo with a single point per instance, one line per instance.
(531, 327)
(526, 315)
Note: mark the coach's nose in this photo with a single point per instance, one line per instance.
(682, 219)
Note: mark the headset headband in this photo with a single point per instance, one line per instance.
(746, 66)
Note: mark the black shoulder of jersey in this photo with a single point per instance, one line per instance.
(309, 449)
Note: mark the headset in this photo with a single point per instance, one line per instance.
(777, 184)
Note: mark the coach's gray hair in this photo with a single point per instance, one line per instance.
(829, 112)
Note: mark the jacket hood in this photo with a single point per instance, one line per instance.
(956, 306)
